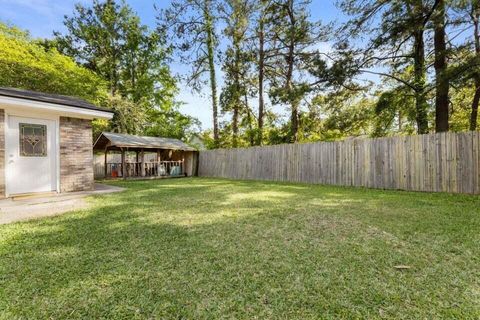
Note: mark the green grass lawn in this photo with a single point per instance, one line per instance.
(203, 248)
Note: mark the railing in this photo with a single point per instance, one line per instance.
(147, 169)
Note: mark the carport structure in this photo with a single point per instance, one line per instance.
(154, 157)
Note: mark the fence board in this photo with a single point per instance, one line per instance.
(442, 162)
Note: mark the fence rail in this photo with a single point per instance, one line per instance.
(442, 162)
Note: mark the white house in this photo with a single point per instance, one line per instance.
(45, 142)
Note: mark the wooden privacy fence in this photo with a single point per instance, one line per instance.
(442, 162)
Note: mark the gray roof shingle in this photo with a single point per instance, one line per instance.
(127, 140)
(49, 98)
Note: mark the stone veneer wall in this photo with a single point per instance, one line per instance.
(76, 155)
(2, 153)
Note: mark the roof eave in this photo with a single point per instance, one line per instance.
(50, 98)
(151, 147)
(136, 146)
(53, 107)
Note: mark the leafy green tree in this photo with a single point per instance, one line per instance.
(461, 102)
(26, 64)
(127, 118)
(340, 114)
(171, 123)
(442, 83)
(475, 20)
(96, 37)
(464, 69)
(294, 35)
(237, 60)
(397, 38)
(263, 48)
(262, 10)
(394, 112)
(191, 25)
(109, 38)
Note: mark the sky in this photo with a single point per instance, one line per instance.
(42, 17)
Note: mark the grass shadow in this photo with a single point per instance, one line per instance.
(201, 248)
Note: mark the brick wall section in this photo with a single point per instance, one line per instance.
(76, 155)
(2, 153)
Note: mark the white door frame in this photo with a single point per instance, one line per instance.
(31, 115)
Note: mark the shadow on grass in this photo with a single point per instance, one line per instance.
(200, 248)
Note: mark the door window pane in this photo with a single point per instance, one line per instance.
(33, 140)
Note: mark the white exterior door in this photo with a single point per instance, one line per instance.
(31, 155)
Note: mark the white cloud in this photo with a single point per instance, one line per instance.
(43, 7)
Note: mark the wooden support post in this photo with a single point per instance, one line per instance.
(136, 167)
(106, 164)
(158, 162)
(124, 167)
(142, 167)
(182, 167)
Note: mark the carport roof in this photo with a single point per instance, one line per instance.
(121, 140)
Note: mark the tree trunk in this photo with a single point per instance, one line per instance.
(476, 97)
(400, 121)
(113, 79)
(441, 80)
(474, 113)
(249, 119)
(290, 58)
(421, 105)
(211, 66)
(236, 93)
(113, 69)
(294, 122)
(261, 70)
(235, 126)
(133, 75)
